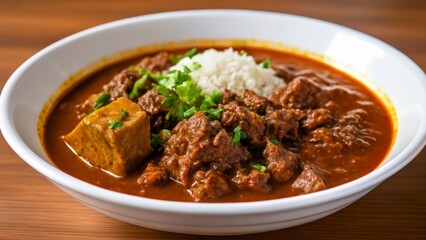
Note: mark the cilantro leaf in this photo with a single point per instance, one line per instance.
(216, 96)
(115, 124)
(159, 139)
(196, 65)
(138, 85)
(102, 100)
(188, 92)
(259, 167)
(238, 135)
(213, 113)
(266, 63)
(189, 112)
(274, 141)
(190, 54)
(123, 114)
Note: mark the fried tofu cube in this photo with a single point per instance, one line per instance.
(115, 138)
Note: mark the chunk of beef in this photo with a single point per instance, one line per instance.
(151, 102)
(157, 63)
(309, 180)
(122, 83)
(256, 103)
(283, 123)
(302, 93)
(208, 185)
(116, 149)
(195, 142)
(87, 106)
(316, 118)
(153, 175)
(320, 144)
(349, 132)
(227, 96)
(283, 71)
(281, 163)
(252, 179)
(354, 117)
(250, 122)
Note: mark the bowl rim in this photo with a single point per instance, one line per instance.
(54, 174)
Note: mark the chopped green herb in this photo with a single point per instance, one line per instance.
(183, 97)
(138, 85)
(102, 100)
(190, 54)
(159, 139)
(259, 167)
(180, 94)
(189, 112)
(196, 65)
(243, 53)
(213, 113)
(274, 141)
(123, 114)
(115, 124)
(238, 135)
(216, 96)
(266, 63)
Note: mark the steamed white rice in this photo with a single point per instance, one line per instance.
(231, 70)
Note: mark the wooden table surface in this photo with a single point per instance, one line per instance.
(32, 208)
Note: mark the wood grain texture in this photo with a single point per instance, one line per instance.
(33, 208)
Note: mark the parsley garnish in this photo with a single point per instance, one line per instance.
(216, 96)
(115, 124)
(101, 100)
(189, 112)
(190, 54)
(183, 97)
(273, 141)
(238, 135)
(196, 65)
(266, 63)
(159, 139)
(123, 114)
(259, 167)
(138, 85)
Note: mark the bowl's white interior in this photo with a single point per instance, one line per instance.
(33, 83)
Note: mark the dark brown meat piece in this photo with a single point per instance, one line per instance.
(86, 107)
(252, 179)
(316, 118)
(250, 122)
(208, 185)
(122, 84)
(227, 96)
(349, 132)
(302, 93)
(151, 102)
(157, 63)
(320, 144)
(283, 71)
(283, 123)
(195, 142)
(282, 164)
(153, 175)
(256, 103)
(309, 180)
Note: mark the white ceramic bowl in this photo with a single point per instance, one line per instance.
(30, 86)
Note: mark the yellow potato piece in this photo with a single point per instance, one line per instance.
(116, 150)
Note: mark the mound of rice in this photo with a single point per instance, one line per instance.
(231, 70)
